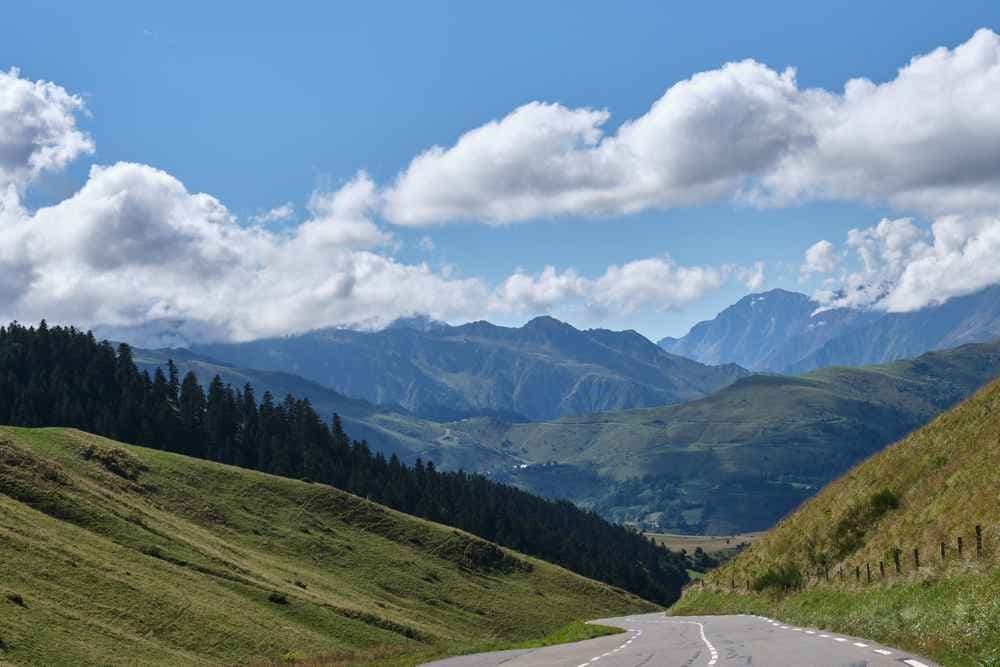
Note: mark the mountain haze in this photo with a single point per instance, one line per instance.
(543, 370)
(787, 332)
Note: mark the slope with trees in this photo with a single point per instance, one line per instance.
(60, 376)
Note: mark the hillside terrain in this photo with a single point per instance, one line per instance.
(118, 555)
(742, 458)
(932, 488)
(788, 332)
(386, 428)
(543, 370)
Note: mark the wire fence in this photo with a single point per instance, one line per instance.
(898, 562)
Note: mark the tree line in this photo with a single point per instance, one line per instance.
(60, 376)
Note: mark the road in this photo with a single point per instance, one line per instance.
(656, 640)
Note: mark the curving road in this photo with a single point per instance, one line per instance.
(656, 640)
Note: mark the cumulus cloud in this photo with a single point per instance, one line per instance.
(901, 266)
(752, 276)
(135, 252)
(654, 282)
(821, 257)
(927, 140)
(38, 131)
(133, 246)
(276, 214)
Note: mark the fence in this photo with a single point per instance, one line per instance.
(864, 572)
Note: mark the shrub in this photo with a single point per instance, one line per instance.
(849, 533)
(278, 598)
(15, 598)
(115, 460)
(782, 579)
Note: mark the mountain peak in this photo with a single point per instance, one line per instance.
(547, 323)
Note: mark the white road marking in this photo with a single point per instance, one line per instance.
(825, 636)
(810, 632)
(883, 651)
(839, 639)
(860, 645)
(713, 654)
(914, 663)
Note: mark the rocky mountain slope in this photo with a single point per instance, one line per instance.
(543, 370)
(781, 331)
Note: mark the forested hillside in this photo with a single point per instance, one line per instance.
(63, 377)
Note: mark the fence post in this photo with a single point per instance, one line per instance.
(732, 583)
(979, 541)
(916, 558)
(841, 573)
(942, 551)
(857, 572)
(959, 546)
(881, 568)
(895, 557)
(868, 569)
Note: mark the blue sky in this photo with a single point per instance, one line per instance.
(262, 104)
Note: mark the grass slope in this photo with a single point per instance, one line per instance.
(112, 554)
(946, 480)
(742, 458)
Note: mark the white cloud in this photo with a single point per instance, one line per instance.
(426, 244)
(752, 276)
(821, 257)
(276, 214)
(902, 266)
(655, 282)
(133, 246)
(38, 131)
(927, 140)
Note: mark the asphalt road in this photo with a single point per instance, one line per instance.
(655, 640)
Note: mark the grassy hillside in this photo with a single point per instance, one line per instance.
(112, 554)
(742, 458)
(935, 486)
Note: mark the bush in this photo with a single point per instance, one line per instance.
(277, 598)
(15, 598)
(849, 533)
(782, 579)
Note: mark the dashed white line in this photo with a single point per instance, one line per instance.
(914, 663)
(839, 639)
(883, 651)
(860, 645)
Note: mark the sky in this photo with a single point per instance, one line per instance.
(216, 172)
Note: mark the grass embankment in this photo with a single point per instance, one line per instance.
(113, 555)
(933, 487)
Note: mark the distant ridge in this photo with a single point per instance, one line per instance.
(781, 331)
(542, 370)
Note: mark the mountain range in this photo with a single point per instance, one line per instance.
(742, 458)
(735, 461)
(788, 332)
(542, 370)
